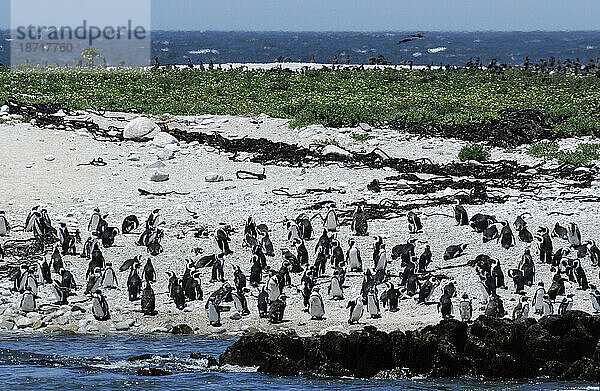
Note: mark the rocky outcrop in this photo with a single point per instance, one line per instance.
(559, 347)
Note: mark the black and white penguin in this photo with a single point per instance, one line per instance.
(222, 241)
(214, 314)
(149, 273)
(427, 290)
(273, 287)
(331, 220)
(94, 281)
(324, 243)
(498, 275)
(507, 239)
(445, 306)
(130, 224)
(357, 309)
(454, 251)
(353, 257)
(316, 308)
(4, 225)
(266, 244)
(56, 260)
(520, 223)
(293, 233)
(217, 273)
(527, 266)
(460, 215)
(95, 219)
(277, 309)
(305, 227)
(424, 259)
(239, 279)
(382, 261)
(46, 274)
(390, 298)
(479, 222)
(547, 308)
(373, 304)
(573, 235)
(594, 253)
(28, 301)
(263, 304)
(545, 245)
(154, 220)
(465, 308)
(109, 277)
(302, 254)
(239, 302)
(134, 283)
(414, 223)
(580, 275)
(521, 311)
(359, 222)
(178, 295)
(337, 254)
(560, 232)
(525, 236)
(490, 233)
(255, 272)
(100, 306)
(148, 301)
(595, 298)
(485, 294)
(336, 290)
(30, 220)
(538, 298)
(566, 305)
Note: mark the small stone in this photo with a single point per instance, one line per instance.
(336, 151)
(402, 185)
(182, 329)
(364, 126)
(134, 158)
(213, 178)
(165, 154)
(49, 158)
(217, 330)
(122, 326)
(159, 176)
(427, 146)
(298, 171)
(24, 322)
(235, 315)
(157, 164)
(162, 139)
(4, 110)
(82, 133)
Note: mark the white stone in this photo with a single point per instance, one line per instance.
(24, 322)
(134, 158)
(298, 171)
(49, 158)
(165, 154)
(335, 150)
(163, 138)
(4, 110)
(172, 147)
(364, 126)
(159, 176)
(157, 164)
(213, 178)
(235, 315)
(82, 133)
(217, 330)
(140, 129)
(122, 326)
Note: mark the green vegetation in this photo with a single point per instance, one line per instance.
(332, 98)
(583, 154)
(328, 141)
(473, 152)
(362, 137)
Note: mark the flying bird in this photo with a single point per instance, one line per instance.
(404, 41)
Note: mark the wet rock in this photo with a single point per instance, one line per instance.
(212, 362)
(147, 356)
(140, 129)
(153, 372)
(182, 329)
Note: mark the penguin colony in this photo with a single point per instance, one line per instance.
(317, 259)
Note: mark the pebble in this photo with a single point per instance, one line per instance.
(364, 126)
(134, 158)
(213, 178)
(122, 326)
(298, 171)
(427, 146)
(4, 110)
(157, 164)
(49, 158)
(217, 330)
(163, 139)
(165, 154)
(159, 176)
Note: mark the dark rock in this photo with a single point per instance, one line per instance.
(559, 347)
(147, 356)
(182, 329)
(153, 372)
(212, 362)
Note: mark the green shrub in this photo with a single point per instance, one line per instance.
(362, 137)
(473, 152)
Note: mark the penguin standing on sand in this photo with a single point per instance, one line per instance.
(465, 308)
(222, 241)
(566, 305)
(148, 301)
(373, 304)
(263, 306)
(316, 308)
(507, 239)
(100, 306)
(331, 220)
(30, 220)
(545, 245)
(445, 306)
(214, 314)
(538, 299)
(460, 215)
(28, 301)
(595, 298)
(335, 288)
(109, 277)
(56, 260)
(277, 309)
(239, 302)
(4, 226)
(414, 223)
(424, 259)
(573, 235)
(149, 273)
(357, 309)
(359, 222)
(95, 220)
(521, 311)
(134, 283)
(353, 257)
(547, 308)
(527, 266)
(178, 295)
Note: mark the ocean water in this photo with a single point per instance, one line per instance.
(57, 362)
(453, 48)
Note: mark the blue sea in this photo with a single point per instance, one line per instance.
(58, 362)
(454, 48)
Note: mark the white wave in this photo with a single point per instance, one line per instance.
(417, 54)
(165, 49)
(235, 368)
(590, 47)
(437, 50)
(204, 51)
(363, 51)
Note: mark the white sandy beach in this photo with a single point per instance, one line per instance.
(71, 192)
